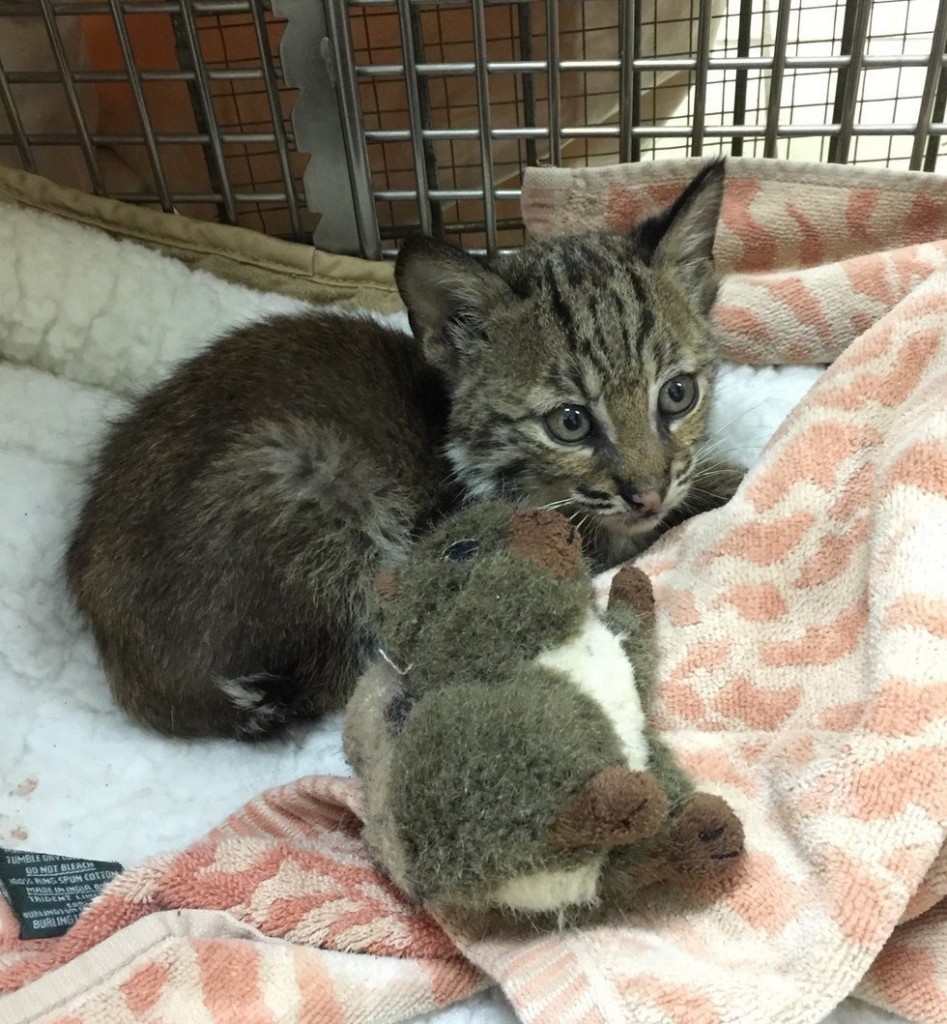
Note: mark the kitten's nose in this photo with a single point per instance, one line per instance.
(638, 500)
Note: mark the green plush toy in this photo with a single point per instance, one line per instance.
(501, 735)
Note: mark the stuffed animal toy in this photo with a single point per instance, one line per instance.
(501, 734)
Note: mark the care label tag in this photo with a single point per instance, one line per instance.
(48, 892)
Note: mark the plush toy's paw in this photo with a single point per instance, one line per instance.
(706, 841)
(633, 587)
(616, 807)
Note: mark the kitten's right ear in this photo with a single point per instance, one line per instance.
(448, 294)
(681, 237)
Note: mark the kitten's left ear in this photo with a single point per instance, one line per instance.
(681, 237)
(448, 294)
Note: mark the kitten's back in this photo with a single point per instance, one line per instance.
(239, 512)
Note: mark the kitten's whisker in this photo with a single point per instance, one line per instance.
(704, 469)
(702, 454)
(749, 445)
(700, 491)
(719, 472)
(703, 466)
(580, 526)
(710, 449)
(739, 416)
(718, 437)
(550, 506)
(689, 506)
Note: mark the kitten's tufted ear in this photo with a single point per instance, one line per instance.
(681, 237)
(448, 294)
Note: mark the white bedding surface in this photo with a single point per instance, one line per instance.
(85, 322)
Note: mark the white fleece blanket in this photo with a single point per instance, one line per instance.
(85, 323)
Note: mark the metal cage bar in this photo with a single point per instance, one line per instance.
(940, 108)
(205, 110)
(850, 80)
(422, 114)
(702, 69)
(909, 129)
(639, 132)
(524, 29)
(134, 81)
(742, 75)
(486, 138)
(636, 87)
(552, 77)
(347, 89)
(276, 116)
(628, 16)
(164, 75)
(800, 62)
(16, 122)
(774, 100)
(77, 8)
(72, 96)
(405, 18)
(934, 75)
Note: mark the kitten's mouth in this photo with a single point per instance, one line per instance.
(633, 522)
(621, 520)
(606, 512)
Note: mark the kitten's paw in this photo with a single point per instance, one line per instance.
(705, 841)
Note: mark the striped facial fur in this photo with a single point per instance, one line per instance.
(581, 370)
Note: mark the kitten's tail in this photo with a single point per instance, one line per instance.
(262, 703)
(251, 707)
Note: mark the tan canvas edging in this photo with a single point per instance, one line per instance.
(231, 253)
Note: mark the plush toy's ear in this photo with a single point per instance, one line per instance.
(681, 237)
(448, 294)
(547, 539)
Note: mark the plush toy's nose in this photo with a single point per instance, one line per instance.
(548, 540)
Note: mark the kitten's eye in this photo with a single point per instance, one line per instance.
(678, 395)
(461, 550)
(569, 423)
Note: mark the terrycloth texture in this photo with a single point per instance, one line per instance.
(854, 242)
(803, 628)
(807, 964)
(290, 865)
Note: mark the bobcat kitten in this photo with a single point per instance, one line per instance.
(241, 510)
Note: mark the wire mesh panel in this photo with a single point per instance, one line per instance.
(364, 120)
(454, 99)
(176, 104)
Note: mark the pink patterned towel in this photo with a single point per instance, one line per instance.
(813, 254)
(803, 635)
(277, 916)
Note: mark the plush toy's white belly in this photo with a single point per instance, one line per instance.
(595, 662)
(550, 890)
